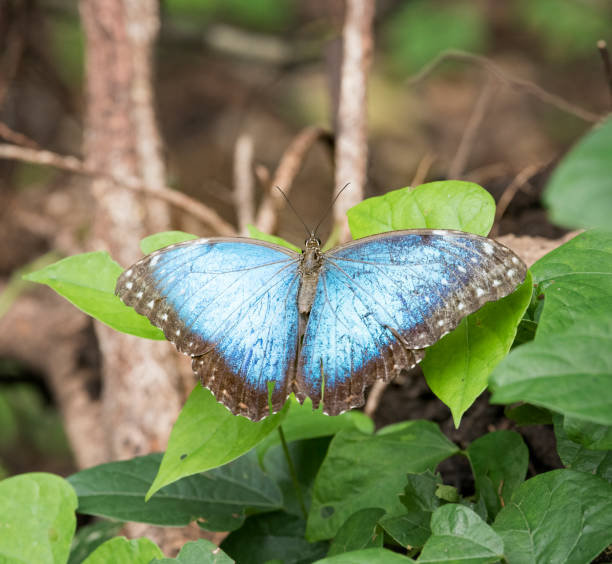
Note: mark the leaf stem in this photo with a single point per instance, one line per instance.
(292, 472)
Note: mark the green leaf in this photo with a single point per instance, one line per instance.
(218, 498)
(207, 435)
(302, 422)
(163, 239)
(458, 366)
(88, 282)
(90, 537)
(359, 531)
(274, 536)
(579, 192)
(449, 204)
(367, 556)
(307, 456)
(499, 461)
(37, 519)
(576, 281)
(257, 234)
(201, 551)
(590, 435)
(560, 516)
(569, 372)
(526, 414)
(459, 535)
(123, 551)
(365, 471)
(411, 528)
(577, 457)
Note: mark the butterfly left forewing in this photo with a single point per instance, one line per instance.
(382, 299)
(224, 302)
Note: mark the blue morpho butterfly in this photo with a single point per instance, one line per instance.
(323, 325)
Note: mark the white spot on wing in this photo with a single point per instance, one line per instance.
(164, 317)
(488, 248)
(178, 332)
(515, 260)
(439, 232)
(496, 283)
(511, 272)
(151, 304)
(129, 273)
(139, 295)
(444, 281)
(460, 306)
(461, 269)
(129, 285)
(479, 292)
(154, 260)
(440, 322)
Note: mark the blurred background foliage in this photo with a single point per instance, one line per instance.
(269, 68)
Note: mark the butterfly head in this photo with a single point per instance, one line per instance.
(313, 242)
(311, 258)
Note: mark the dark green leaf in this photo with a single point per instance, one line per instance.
(450, 204)
(163, 239)
(411, 528)
(207, 435)
(273, 536)
(576, 282)
(257, 234)
(579, 192)
(123, 551)
(560, 516)
(197, 552)
(569, 372)
(526, 414)
(590, 435)
(459, 535)
(90, 537)
(458, 366)
(88, 282)
(499, 461)
(367, 556)
(37, 519)
(364, 471)
(577, 457)
(359, 531)
(218, 498)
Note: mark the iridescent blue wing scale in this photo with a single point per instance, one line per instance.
(230, 304)
(382, 299)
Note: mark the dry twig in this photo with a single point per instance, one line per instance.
(73, 164)
(15, 137)
(351, 138)
(503, 76)
(423, 169)
(602, 46)
(459, 162)
(286, 171)
(244, 183)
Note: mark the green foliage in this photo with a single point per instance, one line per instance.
(421, 29)
(163, 239)
(257, 234)
(37, 519)
(579, 192)
(349, 491)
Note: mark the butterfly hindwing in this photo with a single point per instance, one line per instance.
(382, 299)
(230, 304)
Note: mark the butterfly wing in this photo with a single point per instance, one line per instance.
(231, 305)
(380, 300)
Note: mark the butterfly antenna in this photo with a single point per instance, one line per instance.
(294, 211)
(331, 206)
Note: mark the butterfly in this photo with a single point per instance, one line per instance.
(322, 325)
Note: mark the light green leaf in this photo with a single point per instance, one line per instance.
(217, 498)
(576, 281)
(201, 551)
(449, 204)
(302, 422)
(207, 435)
(579, 192)
(560, 516)
(577, 457)
(367, 556)
(459, 535)
(88, 282)
(365, 471)
(123, 551)
(458, 366)
(499, 461)
(359, 531)
(272, 537)
(569, 372)
(257, 234)
(163, 239)
(37, 519)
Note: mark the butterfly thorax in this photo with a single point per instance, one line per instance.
(310, 267)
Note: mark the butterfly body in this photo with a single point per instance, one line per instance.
(323, 325)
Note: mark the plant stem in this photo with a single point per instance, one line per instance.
(292, 472)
